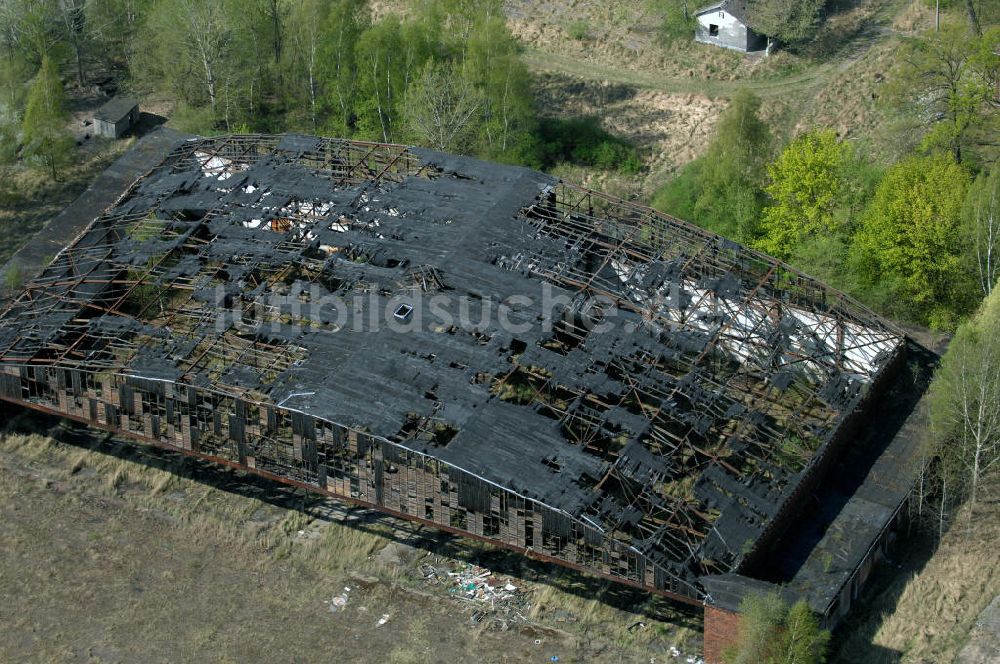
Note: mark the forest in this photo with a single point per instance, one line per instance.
(447, 76)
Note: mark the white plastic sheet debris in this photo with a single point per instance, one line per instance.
(854, 347)
(497, 602)
(217, 167)
(338, 602)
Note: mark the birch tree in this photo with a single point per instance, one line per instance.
(30, 28)
(112, 25)
(493, 63)
(72, 13)
(389, 55)
(965, 401)
(442, 106)
(186, 47)
(336, 72)
(771, 632)
(306, 24)
(982, 217)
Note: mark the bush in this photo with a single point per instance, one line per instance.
(13, 277)
(675, 26)
(193, 120)
(679, 196)
(771, 632)
(723, 190)
(579, 30)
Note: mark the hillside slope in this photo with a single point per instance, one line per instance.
(609, 59)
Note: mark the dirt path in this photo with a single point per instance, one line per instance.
(666, 100)
(814, 76)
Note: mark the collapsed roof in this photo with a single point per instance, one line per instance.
(664, 385)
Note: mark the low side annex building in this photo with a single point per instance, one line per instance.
(483, 348)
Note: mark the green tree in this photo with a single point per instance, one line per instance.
(112, 27)
(390, 55)
(45, 134)
(306, 28)
(948, 80)
(203, 53)
(30, 29)
(801, 641)
(723, 190)
(910, 238)
(678, 20)
(981, 215)
(206, 54)
(806, 182)
(338, 64)
(790, 21)
(13, 77)
(442, 107)
(73, 18)
(493, 63)
(965, 403)
(771, 632)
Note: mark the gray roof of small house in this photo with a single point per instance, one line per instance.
(116, 109)
(738, 8)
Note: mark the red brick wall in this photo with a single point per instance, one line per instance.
(722, 628)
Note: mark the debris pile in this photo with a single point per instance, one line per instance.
(338, 602)
(491, 600)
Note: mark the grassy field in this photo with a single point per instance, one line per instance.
(119, 553)
(923, 611)
(29, 197)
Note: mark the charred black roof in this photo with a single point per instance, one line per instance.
(116, 109)
(665, 384)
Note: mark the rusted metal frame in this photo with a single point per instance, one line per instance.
(40, 284)
(857, 309)
(62, 301)
(114, 307)
(248, 144)
(86, 230)
(607, 257)
(353, 166)
(710, 345)
(187, 375)
(390, 164)
(145, 276)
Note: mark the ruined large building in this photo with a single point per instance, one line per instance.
(483, 348)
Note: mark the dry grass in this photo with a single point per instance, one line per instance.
(33, 198)
(915, 16)
(937, 605)
(292, 547)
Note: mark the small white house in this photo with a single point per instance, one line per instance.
(725, 24)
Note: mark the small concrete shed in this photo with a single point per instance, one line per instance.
(725, 24)
(116, 117)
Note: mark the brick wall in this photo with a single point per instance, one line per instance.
(722, 628)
